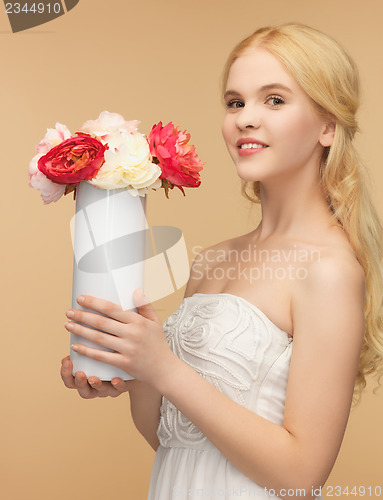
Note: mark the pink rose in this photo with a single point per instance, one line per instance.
(73, 160)
(53, 137)
(50, 191)
(108, 123)
(177, 159)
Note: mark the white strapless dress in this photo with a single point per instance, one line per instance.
(238, 349)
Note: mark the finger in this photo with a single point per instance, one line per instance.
(102, 339)
(122, 385)
(110, 309)
(95, 383)
(97, 321)
(145, 308)
(118, 384)
(104, 389)
(66, 373)
(110, 358)
(82, 386)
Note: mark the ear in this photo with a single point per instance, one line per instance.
(327, 136)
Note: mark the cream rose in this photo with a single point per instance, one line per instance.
(128, 164)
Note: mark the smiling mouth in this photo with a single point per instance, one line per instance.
(252, 145)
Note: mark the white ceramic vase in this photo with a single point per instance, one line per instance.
(109, 253)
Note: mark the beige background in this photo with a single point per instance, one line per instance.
(149, 60)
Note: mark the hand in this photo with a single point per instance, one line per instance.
(92, 388)
(138, 340)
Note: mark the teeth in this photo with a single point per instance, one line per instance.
(251, 145)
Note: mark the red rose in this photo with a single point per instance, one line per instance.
(177, 159)
(73, 160)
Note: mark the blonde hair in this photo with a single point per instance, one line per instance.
(330, 77)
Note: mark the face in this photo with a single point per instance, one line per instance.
(270, 127)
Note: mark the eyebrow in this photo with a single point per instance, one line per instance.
(269, 86)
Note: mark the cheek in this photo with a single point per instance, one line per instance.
(299, 128)
(226, 129)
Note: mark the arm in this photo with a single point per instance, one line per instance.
(328, 316)
(145, 404)
(145, 401)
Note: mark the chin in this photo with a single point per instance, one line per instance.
(247, 176)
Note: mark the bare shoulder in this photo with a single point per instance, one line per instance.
(337, 269)
(207, 258)
(333, 292)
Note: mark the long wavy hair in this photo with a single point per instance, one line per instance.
(330, 77)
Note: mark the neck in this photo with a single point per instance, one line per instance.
(293, 207)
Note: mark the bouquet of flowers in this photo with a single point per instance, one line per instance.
(110, 167)
(110, 153)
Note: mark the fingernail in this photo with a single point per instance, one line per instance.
(80, 299)
(70, 314)
(115, 382)
(74, 347)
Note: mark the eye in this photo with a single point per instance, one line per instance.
(235, 104)
(275, 101)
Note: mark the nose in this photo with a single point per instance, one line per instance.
(248, 118)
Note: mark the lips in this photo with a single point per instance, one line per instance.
(249, 146)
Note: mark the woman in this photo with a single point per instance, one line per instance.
(283, 347)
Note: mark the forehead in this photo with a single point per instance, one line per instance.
(258, 67)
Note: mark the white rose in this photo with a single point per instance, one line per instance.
(128, 164)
